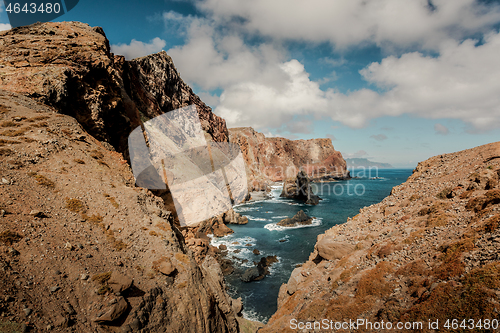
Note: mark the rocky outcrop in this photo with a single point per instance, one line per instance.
(155, 86)
(429, 251)
(298, 219)
(68, 65)
(260, 270)
(231, 217)
(66, 108)
(276, 159)
(299, 188)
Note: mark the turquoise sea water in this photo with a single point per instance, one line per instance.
(292, 246)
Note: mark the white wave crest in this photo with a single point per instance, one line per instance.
(275, 227)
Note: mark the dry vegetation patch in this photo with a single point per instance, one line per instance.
(42, 180)
(8, 142)
(472, 298)
(451, 258)
(75, 205)
(5, 152)
(374, 281)
(14, 132)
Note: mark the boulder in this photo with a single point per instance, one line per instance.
(295, 278)
(166, 268)
(300, 218)
(119, 282)
(251, 274)
(112, 309)
(330, 249)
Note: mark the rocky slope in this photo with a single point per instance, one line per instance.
(74, 229)
(429, 251)
(276, 159)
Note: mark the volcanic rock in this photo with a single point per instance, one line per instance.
(330, 249)
(113, 308)
(277, 159)
(299, 188)
(119, 282)
(300, 218)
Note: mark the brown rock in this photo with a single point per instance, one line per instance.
(330, 249)
(119, 282)
(231, 217)
(113, 308)
(237, 305)
(166, 267)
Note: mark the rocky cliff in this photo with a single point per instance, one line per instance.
(429, 251)
(69, 66)
(276, 159)
(80, 245)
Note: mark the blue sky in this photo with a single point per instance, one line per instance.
(390, 80)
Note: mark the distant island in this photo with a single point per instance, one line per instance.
(364, 162)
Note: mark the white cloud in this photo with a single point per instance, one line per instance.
(5, 26)
(212, 60)
(461, 83)
(138, 49)
(259, 105)
(441, 129)
(299, 126)
(262, 89)
(351, 22)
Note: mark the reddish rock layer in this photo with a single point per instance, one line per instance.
(276, 159)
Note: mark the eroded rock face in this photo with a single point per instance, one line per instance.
(156, 87)
(299, 188)
(421, 254)
(276, 159)
(68, 65)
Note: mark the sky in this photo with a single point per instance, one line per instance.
(390, 80)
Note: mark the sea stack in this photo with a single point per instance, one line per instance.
(300, 218)
(300, 189)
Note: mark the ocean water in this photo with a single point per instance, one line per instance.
(292, 246)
